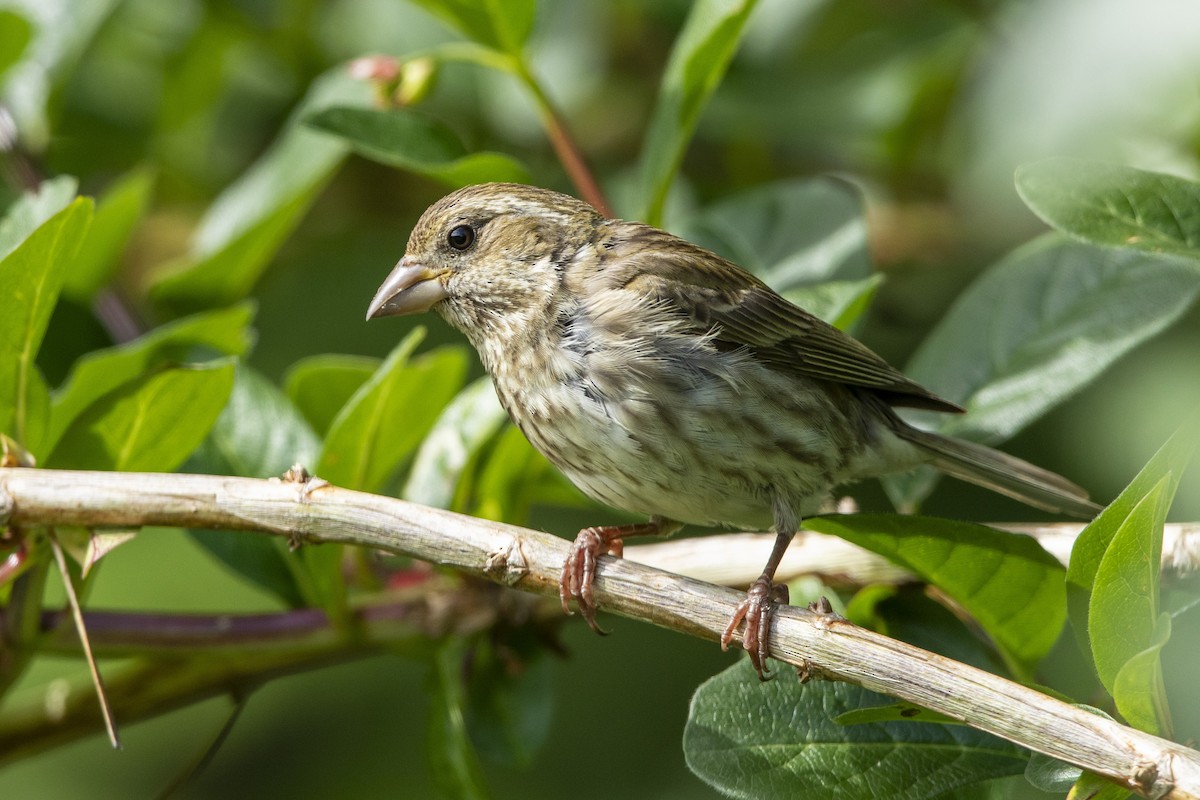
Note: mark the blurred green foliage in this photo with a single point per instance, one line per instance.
(251, 191)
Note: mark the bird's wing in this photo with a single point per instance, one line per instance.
(742, 311)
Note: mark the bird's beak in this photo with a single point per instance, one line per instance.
(409, 289)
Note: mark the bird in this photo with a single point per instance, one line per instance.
(668, 382)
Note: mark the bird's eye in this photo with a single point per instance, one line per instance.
(461, 237)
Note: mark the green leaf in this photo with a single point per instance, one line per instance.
(899, 711)
(1036, 328)
(1006, 582)
(1050, 774)
(469, 422)
(840, 303)
(1124, 604)
(1138, 689)
(31, 277)
(514, 477)
(778, 739)
(99, 372)
(910, 614)
(500, 24)
(385, 420)
(790, 233)
(1093, 543)
(452, 757)
(1124, 625)
(698, 61)
(32, 209)
(15, 34)
(250, 220)
(1093, 787)
(414, 141)
(148, 425)
(375, 433)
(259, 434)
(320, 385)
(1114, 205)
(117, 214)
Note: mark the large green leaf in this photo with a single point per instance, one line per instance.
(97, 373)
(117, 214)
(259, 434)
(320, 385)
(1094, 542)
(503, 25)
(31, 277)
(1124, 604)
(1034, 329)
(250, 220)
(698, 61)
(514, 477)
(777, 739)
(790, 233)
(1006, 582)
(389, 415)
(1109, 204)
(410, 140)
(470, 421)
(1138, 688)
(148, 425)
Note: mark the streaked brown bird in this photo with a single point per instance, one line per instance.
(664, 380)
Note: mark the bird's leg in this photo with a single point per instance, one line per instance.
(763, 597)
(579, 570)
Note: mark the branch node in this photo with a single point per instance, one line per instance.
(1144, 777)
(808, 671)
(508, 562)
(305, 480)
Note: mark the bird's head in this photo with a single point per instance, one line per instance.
(487, 257)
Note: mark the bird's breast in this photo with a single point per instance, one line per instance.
(664, 426)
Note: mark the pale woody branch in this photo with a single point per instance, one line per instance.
(736, 559)
(530, 560)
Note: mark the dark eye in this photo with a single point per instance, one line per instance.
(461, 237)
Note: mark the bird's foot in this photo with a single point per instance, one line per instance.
(757, 610)
(579, 570)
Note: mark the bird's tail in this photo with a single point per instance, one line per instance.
(1002, 473)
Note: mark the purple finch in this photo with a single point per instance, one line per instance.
(663, 380)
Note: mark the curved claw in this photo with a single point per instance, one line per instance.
(757, 610)
(579, 570)
(579, 573)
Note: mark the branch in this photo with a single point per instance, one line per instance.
(736, 559)
(529, 560)
(240, 652)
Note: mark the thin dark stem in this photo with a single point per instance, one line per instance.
(21, 170)
(117, 316)
(210, 752)
(565, 146)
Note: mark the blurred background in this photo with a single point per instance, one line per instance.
(927, 105)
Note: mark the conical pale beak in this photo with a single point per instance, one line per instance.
(410, 289)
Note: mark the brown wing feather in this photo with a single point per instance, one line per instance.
(745, 312)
